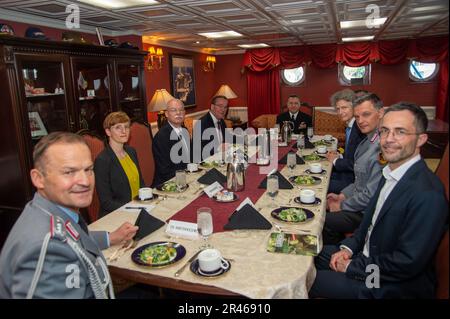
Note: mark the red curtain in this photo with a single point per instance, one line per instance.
(265, 64)
(357, 54)
(263, 95)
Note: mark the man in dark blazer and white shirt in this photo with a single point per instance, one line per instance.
(300, 120)
(343, 173)
(171, 145)
(391, 253)
(209, 134)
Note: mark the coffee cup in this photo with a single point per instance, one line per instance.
(307, 196)
(145, 193)
(321, 149)
(192, 167)
(315, 168)
(210, 261)
(328, 138)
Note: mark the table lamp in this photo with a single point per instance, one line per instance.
(226, 91)
(158, 104)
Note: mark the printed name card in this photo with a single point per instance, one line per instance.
(181, 229)
(213, 189)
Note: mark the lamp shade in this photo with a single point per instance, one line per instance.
(159, 101)
(226, 91)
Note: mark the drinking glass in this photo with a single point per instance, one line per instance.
(272, 188)
(204, 225)
(291, 162)
(180, 179)
(310, 132)
(301, 144)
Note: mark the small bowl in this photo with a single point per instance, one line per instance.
(315, 168)
(307, 196)
(321, 149)
(328, 138)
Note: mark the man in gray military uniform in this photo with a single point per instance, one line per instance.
(346, 209)
(49, 252)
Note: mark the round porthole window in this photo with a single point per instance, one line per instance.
(421, 72)
(293, 77)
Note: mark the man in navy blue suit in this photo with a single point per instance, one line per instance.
(391, 253)
(343, 174)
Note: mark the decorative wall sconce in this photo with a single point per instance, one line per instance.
(209, 64)
(154, 59)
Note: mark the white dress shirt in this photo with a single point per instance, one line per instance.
(392, 178)
(179, 131)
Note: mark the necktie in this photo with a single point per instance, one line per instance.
(83, 224)
(347, 135)
(292, 118)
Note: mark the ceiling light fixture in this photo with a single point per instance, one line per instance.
(221, 34)
(118, 4)
(365, 38)
(252, 46)
(362, 23)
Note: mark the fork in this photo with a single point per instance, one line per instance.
(127, 246)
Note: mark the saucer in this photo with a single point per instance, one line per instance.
(189, 172)
(136, 198)
(298, 201)
(196, 270)
(321, 173)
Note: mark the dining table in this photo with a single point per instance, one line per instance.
(254, 271)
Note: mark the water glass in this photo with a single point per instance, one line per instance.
(291, 162)
(310, 132)
(180, 179)
(272, 188)
(204, 225)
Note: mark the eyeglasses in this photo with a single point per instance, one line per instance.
(221, 106)
(176, 111)
(397, 133)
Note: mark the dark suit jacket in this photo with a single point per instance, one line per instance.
(343, 169)
(301, 117)
(405, 236)
(204, 123)
(165, 168)
(111, 182)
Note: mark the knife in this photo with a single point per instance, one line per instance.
(179, 271)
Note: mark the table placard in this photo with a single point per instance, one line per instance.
(181, 229)
(213, 189)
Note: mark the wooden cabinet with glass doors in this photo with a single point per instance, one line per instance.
(49, 86)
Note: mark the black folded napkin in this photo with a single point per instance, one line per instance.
(213, 175)
(247, 218)
(308, 144)
(283, 183)
(283, 160)
(147, 224)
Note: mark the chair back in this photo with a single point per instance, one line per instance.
(96, 145)
(141, 140)
(442, 170)
(328, 123)
(442, 268)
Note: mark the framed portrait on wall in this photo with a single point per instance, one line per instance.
(182, 81)
(37, 127)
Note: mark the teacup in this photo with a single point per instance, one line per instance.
(210, 261)
(192, 167)
(307, 196)
(315, 168)
(328, 138)
(145, 193)
(321, 149)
